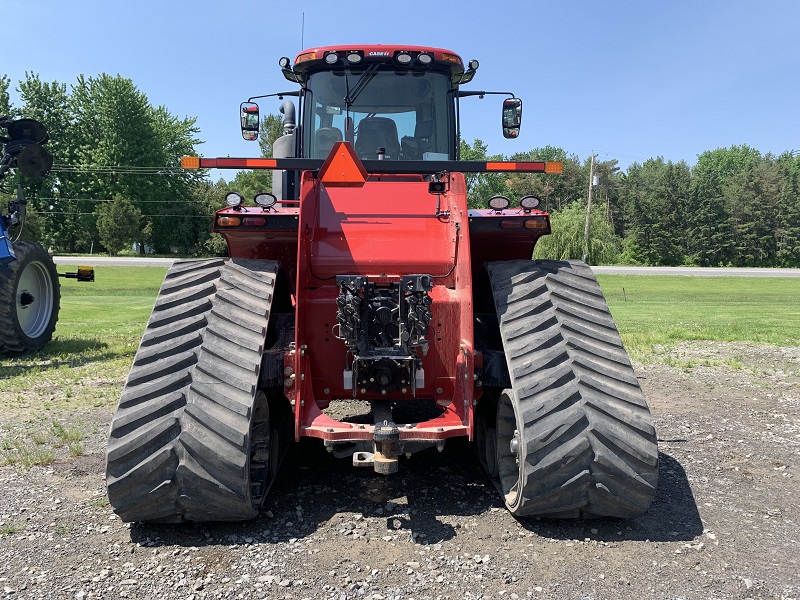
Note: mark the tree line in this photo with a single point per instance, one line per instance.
(116, 184)
(734, 207)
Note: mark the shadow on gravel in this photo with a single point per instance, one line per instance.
(672, 517)
(315, 490)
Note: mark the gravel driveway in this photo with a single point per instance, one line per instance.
(724, 524)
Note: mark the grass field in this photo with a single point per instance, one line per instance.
(101, 323)
(653, 311)
(79, 375)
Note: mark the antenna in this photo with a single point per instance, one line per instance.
(302, 33)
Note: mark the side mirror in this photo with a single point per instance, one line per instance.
(248, 115)
(512, 117)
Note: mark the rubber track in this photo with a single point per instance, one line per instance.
(587, 437)
(10, 340)
(179, 444)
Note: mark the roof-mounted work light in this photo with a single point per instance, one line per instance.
(354, 57)
(402, 57)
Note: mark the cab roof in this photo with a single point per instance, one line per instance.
(442, 59)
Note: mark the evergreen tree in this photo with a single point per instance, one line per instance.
(118, 224)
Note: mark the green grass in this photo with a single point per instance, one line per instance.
(101, 324)
(35, 443)
(12, 528)
(17, 452)
(653, 311)
(96, 337)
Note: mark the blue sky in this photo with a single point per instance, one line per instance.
(630, 80)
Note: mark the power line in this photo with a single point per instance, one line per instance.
(61, 212)
(120, 170)
(63, 198)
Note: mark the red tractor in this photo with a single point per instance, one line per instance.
(364, 305)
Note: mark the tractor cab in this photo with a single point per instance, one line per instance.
(390, 103)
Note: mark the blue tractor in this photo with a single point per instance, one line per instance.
(29, 289)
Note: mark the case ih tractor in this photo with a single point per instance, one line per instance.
(364, 305)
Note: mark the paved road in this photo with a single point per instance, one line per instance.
(99, 261)
(699, 271)
(116, 261)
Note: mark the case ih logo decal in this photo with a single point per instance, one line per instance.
(379, 54)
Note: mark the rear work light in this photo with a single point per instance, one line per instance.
(499, 202)
(265, 199)
(234, 199)
(229, 221)
(529, 202)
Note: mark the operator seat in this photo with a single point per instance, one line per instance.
(374, 133)
(324, 140)
(415, 147)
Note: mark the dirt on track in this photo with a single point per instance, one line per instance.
(724, 523)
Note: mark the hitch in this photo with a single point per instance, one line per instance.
(82, 274)
(386, 436)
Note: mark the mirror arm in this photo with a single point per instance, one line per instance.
(482, 93)
(280, 95)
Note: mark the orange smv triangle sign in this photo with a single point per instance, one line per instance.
(343, 167)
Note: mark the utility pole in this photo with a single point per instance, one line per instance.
(588, 210)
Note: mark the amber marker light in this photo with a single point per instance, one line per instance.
(190, 162)
(229, 221)
(304, 57)
(536, 224)
(553, 167)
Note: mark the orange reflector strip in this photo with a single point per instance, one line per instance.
(536, 224)
(238, 163)
(190, 162)
(343, 167)
(229, 221)
(553, 167)
(527, 167)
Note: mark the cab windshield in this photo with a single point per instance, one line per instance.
(399, 114)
